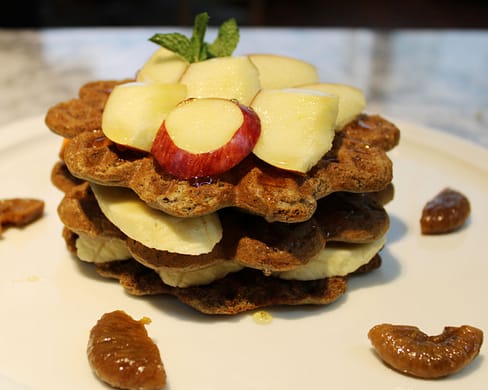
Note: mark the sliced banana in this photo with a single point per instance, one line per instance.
(155, 229)
(101, 249)
(335, 260)
(198, 277)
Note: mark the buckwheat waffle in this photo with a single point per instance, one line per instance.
(340, 217)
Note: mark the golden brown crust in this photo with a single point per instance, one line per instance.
(62, 179)
(70, 238)
(72, 118)
(250, 289)
(75, 116)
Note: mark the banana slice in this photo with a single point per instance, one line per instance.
(155, 229)
(335, 260)
(101, 249)
(198, 277)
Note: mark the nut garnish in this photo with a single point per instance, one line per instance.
(409, 350)
(121, 353)
(19, 211)
(446, 212)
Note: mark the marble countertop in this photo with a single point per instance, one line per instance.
(434, 78)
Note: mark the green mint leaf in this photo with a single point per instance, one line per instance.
(175, 42)
(196, 49)
(226, 41)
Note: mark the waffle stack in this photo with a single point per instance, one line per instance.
(287, 238)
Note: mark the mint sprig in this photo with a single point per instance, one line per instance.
(226, 41)
(195, 49)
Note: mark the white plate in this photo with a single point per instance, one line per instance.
(49, 301)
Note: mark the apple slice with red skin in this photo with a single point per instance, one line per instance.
(205, 137)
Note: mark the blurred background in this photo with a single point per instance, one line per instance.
(312, 13)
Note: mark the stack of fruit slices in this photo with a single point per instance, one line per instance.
(204, 118)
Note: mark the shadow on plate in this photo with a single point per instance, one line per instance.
(398, 229)
(87, 270)
(390, 269)
(470, 369)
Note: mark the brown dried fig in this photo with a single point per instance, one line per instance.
(446, 212)
(121, 353)
(410, 351)
(19, 211)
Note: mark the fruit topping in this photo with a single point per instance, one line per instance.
(297, 127)
(277, 71)
(205, 137)
(224, 77)
(351, 100)
(134, 112)
(163, 66)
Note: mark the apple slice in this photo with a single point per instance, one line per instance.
(351, 100)
(134, 112)
(224, 77)
(204, 137)
(155, 229)
(163, 66)
(277, 71)
(297, 127)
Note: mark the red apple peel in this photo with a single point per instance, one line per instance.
(184, 164)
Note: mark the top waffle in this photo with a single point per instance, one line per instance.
(356, 163)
